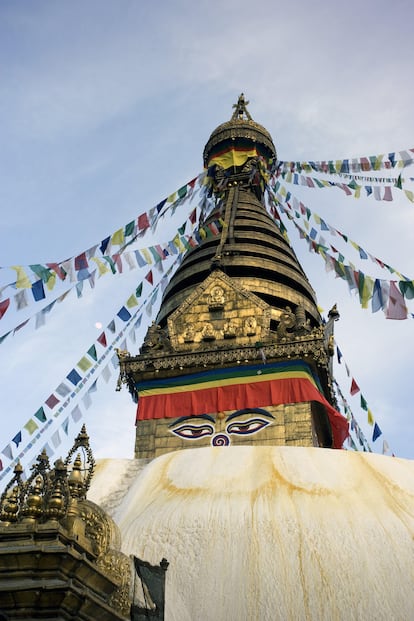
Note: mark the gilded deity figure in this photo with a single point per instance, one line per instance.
(216, 299)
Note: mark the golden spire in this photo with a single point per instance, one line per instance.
(241, 110)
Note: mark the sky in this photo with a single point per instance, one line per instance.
(105, 108)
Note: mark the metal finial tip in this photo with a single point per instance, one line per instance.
(241, 111)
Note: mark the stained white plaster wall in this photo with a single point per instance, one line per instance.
(268, 533)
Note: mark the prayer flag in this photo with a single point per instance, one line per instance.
(104, 245)
(74, 377)
(40, 415)
(56, 439)
(76, 414)
(84, 364)
(7, 451)
(102, 339)
(17, 438)
(396, 305)
(22, 279)
(354, 387)
(92, 352)
(21, 299)
(4, 305)
(52, 401)
(38, 290)
(63, 390)
(118, 237)
(370, 418)
(124, 314)
(149, 277)
(376, 432)
(132, 301)
(31, 426)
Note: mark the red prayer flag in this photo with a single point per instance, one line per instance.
(102, 339)
(149, 277)
(57, 269)
(52, 401)
(143, 222)
(193, 216)
(4, 305)
(354, 387)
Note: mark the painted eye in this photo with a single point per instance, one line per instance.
(247, 426)
(193, 432)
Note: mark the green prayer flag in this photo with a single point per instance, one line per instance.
(138, 290)
(92, 352)
(40, 415)
(182, 191)
(129, 228)
(364, 404)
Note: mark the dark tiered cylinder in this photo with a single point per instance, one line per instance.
(251, 250)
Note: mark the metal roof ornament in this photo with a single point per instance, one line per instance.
(241, 112)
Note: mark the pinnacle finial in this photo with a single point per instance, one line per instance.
(241, 111)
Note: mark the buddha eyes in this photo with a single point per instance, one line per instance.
(245, 427)
(248, 426)
(193, 432)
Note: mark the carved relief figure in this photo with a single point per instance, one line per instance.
(230, 329)
(287, 322)
(189, 334)
(216, 299)
(208, 333)
(250, 326)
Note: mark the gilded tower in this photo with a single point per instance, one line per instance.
(239, 352)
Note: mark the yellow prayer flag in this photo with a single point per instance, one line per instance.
(147, 255)
(367, 289)
(178, 243)
(84, 364)
(22, 279)
(132, 301)
(370, 418)
(172, 197)
(357, 192)
(409, 195)
(31, 426)
(102, 269)
(51, 281)
(118, 237)
(317, 218)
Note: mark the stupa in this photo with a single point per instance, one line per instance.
(236, 480)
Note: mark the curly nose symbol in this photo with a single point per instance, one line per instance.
(220, 440)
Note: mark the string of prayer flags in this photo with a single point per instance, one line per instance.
(388, 161)
(78, 268)
(367, 287)
(138, 258)
(78, 382)
(354, 389)
(295, 207)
